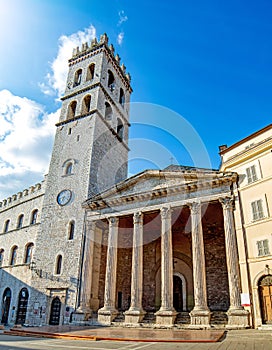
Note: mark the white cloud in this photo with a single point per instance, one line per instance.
(120, 38)
(122, 17)
(26, 135)
(26, 130)
(55, 81)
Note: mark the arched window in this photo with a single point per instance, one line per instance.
(58, 265)
(34, 216)
(111, 81)
(122, 97)
(108, 111)
(78, 77)
(120, 128)
(68, 169)
(71, 230)
(28, 253)
(1, 256)
(90, 72)
(13, 255)
(86, 106)
(72, 110)
(6, 226)
(20, 221)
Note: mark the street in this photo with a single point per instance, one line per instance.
(235, 340)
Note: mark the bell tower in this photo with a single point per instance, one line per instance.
(90, 154)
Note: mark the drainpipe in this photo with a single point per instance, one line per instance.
(246, 253)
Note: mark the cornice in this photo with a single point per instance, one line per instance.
(103, 201)
(249, 153)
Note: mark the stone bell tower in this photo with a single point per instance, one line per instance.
(90, 154)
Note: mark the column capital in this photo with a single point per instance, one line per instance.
(138, 218)
(113, 221)
(166, 212)
(227, 202)
(195, 207)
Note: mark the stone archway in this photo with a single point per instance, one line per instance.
(265, 297)
(5, 305)
(179, 292)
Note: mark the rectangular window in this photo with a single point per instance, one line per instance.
(257, 210)
(263, 247)
(251, 174)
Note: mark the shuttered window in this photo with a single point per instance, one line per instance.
(257, 210)
(251, 174)
(263, 247)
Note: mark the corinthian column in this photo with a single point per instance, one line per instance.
(167, 314)
(135, 313)
(200, 315)
(83, 312)
(108, 311)
(237, 316)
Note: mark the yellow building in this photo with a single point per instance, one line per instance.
(251, 158)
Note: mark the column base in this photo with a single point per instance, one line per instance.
(81, 315)
(106, 315)
(133, 316)
(238, 318)
(200, 319)
(166, 317)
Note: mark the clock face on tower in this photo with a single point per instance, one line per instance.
(64, 197)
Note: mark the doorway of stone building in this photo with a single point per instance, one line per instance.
(5, 306)
(55, 311)
(22, 306)
(179, 292)
(265, 295)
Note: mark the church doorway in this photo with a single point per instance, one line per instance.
(179, 292)
(265, 295)
(55, 311)
(5, 305)
(22, 306)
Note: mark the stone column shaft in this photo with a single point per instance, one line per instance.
(237, 316)
(110, 279)
(108, 312)
(166, 260)
(200, 315)
(167, 314)
(135, 313)
(86, 281)
(137, 263)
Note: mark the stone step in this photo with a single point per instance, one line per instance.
(120, 317)
(149, 318)
(219, 317)
(183, 318)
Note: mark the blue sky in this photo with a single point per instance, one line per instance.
(207, 61)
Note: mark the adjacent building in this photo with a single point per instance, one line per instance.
(251, 159)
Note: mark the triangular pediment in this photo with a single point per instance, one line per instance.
(159, 183)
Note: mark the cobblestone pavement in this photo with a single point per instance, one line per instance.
(234, 340)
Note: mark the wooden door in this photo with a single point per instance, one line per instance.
(55, 312)
(22, 306)
(266, 299)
